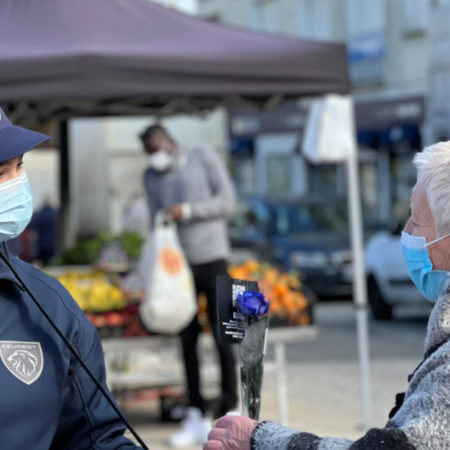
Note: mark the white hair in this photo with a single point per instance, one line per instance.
(433, 172)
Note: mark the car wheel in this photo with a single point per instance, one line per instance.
(380, 309)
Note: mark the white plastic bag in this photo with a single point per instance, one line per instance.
(170, 301)
(329, 135)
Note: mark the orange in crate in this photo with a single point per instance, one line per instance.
(289, 304)
(170, 260)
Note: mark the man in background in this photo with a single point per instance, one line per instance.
(194, 189)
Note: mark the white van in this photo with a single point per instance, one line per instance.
(388, 282)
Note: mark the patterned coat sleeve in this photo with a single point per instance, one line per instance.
(271, 436)
(420, 419)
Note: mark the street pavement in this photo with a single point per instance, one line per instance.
(323, 376)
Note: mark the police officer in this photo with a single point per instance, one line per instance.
(47, 399)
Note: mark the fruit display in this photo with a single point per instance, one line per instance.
(123, 323)
(290, 301)
(110, 301)
(93, 291)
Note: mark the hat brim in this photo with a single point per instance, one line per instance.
(15, 141)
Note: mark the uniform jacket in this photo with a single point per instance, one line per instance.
(47, 400)
(420, 420)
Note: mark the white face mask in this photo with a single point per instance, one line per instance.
(160, 160)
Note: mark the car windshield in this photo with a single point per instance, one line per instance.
(253, 214)
(309, 217)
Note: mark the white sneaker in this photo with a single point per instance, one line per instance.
(194, 430)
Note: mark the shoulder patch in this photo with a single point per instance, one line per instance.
(24, 360)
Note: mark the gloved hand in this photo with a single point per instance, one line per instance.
(231, 433)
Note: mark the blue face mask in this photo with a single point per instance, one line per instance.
(432, 283)
(16, 207)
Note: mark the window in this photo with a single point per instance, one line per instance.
(315, 19)
(415, 16)
(264, 16)
(278, 174)
(365, 16)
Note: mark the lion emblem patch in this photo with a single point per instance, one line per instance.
(23, 359)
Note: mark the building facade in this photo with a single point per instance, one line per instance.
(439, 93)
(388, 45)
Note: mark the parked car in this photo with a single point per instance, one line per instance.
(312, 236)
(249, 232)
(388, 282)
(308, 235)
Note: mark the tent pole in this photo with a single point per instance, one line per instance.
(359, 285)
(64, 185)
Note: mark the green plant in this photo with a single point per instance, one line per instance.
(87, 250)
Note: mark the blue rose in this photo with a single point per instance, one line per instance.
(252, 303)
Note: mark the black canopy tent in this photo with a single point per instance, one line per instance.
(66, 58)
(71, 58)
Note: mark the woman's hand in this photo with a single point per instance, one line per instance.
(231, 433)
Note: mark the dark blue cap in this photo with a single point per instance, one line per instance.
(15, 140)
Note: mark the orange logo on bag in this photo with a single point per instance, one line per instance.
(170, 260)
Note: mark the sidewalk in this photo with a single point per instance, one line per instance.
(153, 359)
(317, 405)
(325, 400)
(323, 380)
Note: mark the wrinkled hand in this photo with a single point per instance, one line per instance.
(175, 212)
(231, 433)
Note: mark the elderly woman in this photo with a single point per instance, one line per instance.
(421, 416)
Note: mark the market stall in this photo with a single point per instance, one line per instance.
(102, 277)
(136, 57)
(109, 289)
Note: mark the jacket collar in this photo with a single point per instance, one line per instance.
(5, 271)
(438, 330)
